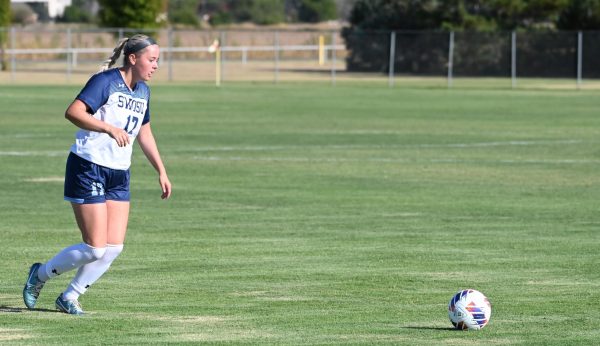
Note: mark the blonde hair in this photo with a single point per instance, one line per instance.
(128, 46)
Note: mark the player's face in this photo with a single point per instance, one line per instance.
(146, 62)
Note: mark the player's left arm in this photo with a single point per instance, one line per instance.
(150, 149)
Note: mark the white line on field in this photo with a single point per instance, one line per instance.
(45, 180)
(33, 153)
(25, 135)
(388, 160)
(381, 146)
(498, 144)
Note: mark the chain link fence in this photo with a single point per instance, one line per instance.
(66, 55)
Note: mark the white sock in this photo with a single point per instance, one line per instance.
(91, 272)
(70, 258)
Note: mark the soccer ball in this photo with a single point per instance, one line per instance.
(469, 309)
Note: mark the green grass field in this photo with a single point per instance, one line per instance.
(311, 214)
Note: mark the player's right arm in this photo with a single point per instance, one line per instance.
(78, 114)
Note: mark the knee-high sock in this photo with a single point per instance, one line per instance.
(70, 258)
(91, 272)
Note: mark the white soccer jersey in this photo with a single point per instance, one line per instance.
(111, 100)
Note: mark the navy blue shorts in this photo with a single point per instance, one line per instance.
(87, 182)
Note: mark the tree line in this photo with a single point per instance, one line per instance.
(195, 13)
(478, 15)
(475, 15)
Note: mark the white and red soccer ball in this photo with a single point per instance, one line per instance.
(469, 309)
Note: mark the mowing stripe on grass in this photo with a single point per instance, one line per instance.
(381, 146)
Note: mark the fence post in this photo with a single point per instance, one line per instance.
(69, 57)
(221, 66)
(513, 59)
(13, 56)
(450, 59)
(579, 58)
(170, 43)
(217, 63)
(392, 59)
(321, 50)
(333, 58)
(276, 51)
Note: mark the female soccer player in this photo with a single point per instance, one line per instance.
(111, 111)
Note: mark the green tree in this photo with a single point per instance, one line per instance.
(465, 15)
(217, 10)
(77, 12)
(261, 12)
(183, 12)
(580, 15)
(4, 24)
(479, 15)
(139, 14)
(394, 15)
(314, 11)
(525, 14)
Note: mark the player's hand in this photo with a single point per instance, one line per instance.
(119, 135)
(165, 185)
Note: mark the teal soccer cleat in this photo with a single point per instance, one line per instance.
(71, 307)
(33, 286)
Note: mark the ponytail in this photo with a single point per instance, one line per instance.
(115, 55)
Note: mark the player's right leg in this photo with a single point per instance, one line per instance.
(88, 274)
(71, 307)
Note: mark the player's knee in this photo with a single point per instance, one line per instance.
(98, 253)
(95, 253)
(113, 251)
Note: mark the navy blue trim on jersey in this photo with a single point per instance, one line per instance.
(147, 114)
(95, 93)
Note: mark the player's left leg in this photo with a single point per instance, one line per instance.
(91, 219)
(117, 218)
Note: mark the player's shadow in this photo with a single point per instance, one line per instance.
(4, 308)
(429, 328)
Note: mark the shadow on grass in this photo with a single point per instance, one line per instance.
(4, 308)
(429, 328)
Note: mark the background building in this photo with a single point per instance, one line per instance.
(55, 8)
